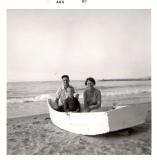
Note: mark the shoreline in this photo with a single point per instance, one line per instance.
(46, 116)
(47, 113)
(17, 110)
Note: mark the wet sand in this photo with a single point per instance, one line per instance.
(37, 135)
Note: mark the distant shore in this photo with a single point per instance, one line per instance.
(109, 79)
(127, 79)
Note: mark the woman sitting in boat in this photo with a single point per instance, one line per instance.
(71, 103)
(92, 96)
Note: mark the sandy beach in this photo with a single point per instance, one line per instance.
(37, 135)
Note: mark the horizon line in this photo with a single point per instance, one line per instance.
(100, 79)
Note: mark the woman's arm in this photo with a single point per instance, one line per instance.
(86, 108)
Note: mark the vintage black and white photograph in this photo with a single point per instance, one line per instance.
(78, 82)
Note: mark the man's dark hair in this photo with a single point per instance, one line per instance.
(65, 76)
(90, 79)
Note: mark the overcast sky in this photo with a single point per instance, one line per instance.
(44, 44)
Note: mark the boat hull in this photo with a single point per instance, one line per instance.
(94, 123)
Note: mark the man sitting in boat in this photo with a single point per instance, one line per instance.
(71, 103)
(91, 96)
(61, 94)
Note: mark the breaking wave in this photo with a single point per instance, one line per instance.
(44, 97)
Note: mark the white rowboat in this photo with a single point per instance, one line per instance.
(93, 123)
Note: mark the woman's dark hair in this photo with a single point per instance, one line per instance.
(65, 76)
(90, 79)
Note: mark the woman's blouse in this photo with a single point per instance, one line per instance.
(92, 97)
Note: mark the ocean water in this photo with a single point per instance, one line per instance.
(24, 92)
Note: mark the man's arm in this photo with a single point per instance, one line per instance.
(57, 96)
(56, 102)
(76, 95)
(66, 106)
(78, 106)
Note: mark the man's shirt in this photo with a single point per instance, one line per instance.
(61, 94)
